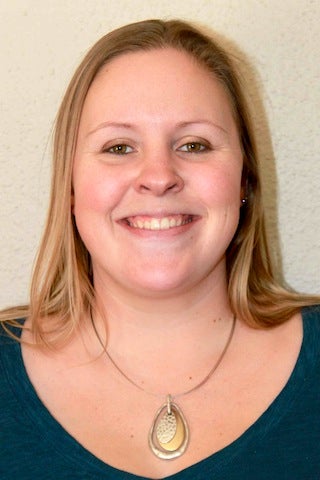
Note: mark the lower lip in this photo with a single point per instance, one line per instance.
(170, 232)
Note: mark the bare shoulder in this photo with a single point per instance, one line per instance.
(284, 337)
(266, 359)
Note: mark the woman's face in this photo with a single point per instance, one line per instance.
(157, 174)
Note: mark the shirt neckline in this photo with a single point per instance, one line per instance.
(33, 412)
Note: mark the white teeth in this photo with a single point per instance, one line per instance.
(155, 224)
(164, 223)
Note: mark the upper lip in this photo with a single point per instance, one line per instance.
(158, 214)
(150, 216)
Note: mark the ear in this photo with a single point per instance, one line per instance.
(244, 190)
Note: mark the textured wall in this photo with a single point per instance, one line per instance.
(42, 41)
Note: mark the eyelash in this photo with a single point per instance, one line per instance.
(117, 149)
(194, 147)
(188, 147)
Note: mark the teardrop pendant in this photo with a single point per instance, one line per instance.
(169, 433)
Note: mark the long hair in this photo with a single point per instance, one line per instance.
(62, 285)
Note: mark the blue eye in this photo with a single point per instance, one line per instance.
(193, 147)
(119, 149)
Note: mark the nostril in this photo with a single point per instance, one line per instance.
(144, 187)
(158, 181)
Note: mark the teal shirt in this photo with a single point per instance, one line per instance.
(283, 444)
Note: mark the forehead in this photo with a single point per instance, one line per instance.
(155, 81)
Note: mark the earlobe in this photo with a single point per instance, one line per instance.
(244, 191)
(243, 196)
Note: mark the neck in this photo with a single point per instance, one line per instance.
(151, 316)
(161, 309)
(176, 337)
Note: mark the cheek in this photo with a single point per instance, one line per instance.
(96, 191)
(221, 187)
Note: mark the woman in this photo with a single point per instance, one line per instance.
(158, 341)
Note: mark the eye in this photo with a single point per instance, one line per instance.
(193, 147)
(119, 149)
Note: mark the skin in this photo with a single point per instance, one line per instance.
(162, 293)
(182, 161)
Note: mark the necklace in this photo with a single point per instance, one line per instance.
(169, 433)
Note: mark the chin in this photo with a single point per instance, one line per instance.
(162, 284)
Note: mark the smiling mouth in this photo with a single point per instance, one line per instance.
(164, 223)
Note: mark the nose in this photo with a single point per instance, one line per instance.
(159, 176)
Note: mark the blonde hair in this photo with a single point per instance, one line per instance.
(62, 285)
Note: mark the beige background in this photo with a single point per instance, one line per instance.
(42, 41)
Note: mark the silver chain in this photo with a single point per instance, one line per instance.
(198, 385)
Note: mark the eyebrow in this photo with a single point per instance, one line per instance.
(202, 121)
(179, 125)
(110, 124)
